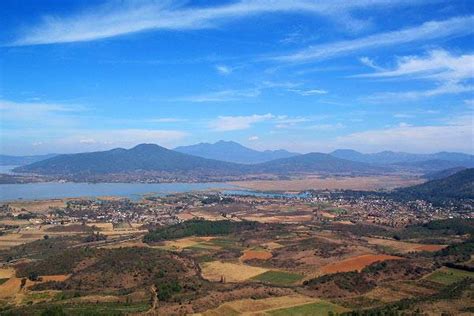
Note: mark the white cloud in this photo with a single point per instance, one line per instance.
(119, 18)
(424, 32)
(232, 123)
(309, 92)
(437, 65)
(449, 72)
(39, 114)
(224, 70)
(253, 138)
(369, 63)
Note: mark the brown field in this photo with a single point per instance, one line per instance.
(256, 254)
(38, 205)
(249, 306)
(10, 288)
(125, 244)
(187, 242)
(355, 263)
(430, 247)
(272, 245)
(232, 272)
(6, 273)
(279, 219)
(331, 183)
(402, 246)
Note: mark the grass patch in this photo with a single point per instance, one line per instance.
(82, 309)
(449, 276)
(278, 277)
(4, 280)
(317, 308)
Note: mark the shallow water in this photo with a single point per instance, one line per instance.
(37, 191)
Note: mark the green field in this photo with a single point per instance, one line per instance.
(278, 277)
(105, 309)
(3, 280)
(449, 275)
(317, 308)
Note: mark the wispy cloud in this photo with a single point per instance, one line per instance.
(427, 31)
(449, 72)
(119, 18)
(221, 96)
(38, 113)
(224, 70)
(232, 123)
(309, 92)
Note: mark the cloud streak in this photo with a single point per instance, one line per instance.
(457, 26)
(112, 20)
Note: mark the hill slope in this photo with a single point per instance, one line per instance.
(457, 186)
(233, 152)
(144, 157)
(317, 162)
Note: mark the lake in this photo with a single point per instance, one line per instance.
(37, 191)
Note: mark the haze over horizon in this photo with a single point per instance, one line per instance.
(305, 76)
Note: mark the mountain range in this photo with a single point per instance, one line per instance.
(154, 158)
(392, 157)
(233, 152)
(226, 158)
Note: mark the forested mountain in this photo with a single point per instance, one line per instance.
(317, 162)
(144, 157)
(457, 186)
(233, 152)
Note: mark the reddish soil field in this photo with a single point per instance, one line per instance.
(252, 254)
(430, 247)
(355, 263)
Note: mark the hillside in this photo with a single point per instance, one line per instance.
(233, 152)
(317, 162)
(443, 173)
(457, 186)
(144, 157)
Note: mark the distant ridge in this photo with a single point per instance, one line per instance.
(391, 157)
(318, 162)
(233, 152)
(7, 160)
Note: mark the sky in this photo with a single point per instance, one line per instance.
(306, 76)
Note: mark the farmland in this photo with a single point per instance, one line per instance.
(208, 254)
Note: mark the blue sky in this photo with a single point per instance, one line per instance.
(302, 75)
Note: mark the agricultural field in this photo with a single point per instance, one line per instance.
(447, 276)
(249, 255)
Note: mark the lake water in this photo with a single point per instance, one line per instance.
(37, 191)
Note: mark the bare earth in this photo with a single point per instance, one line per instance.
(331, 183)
